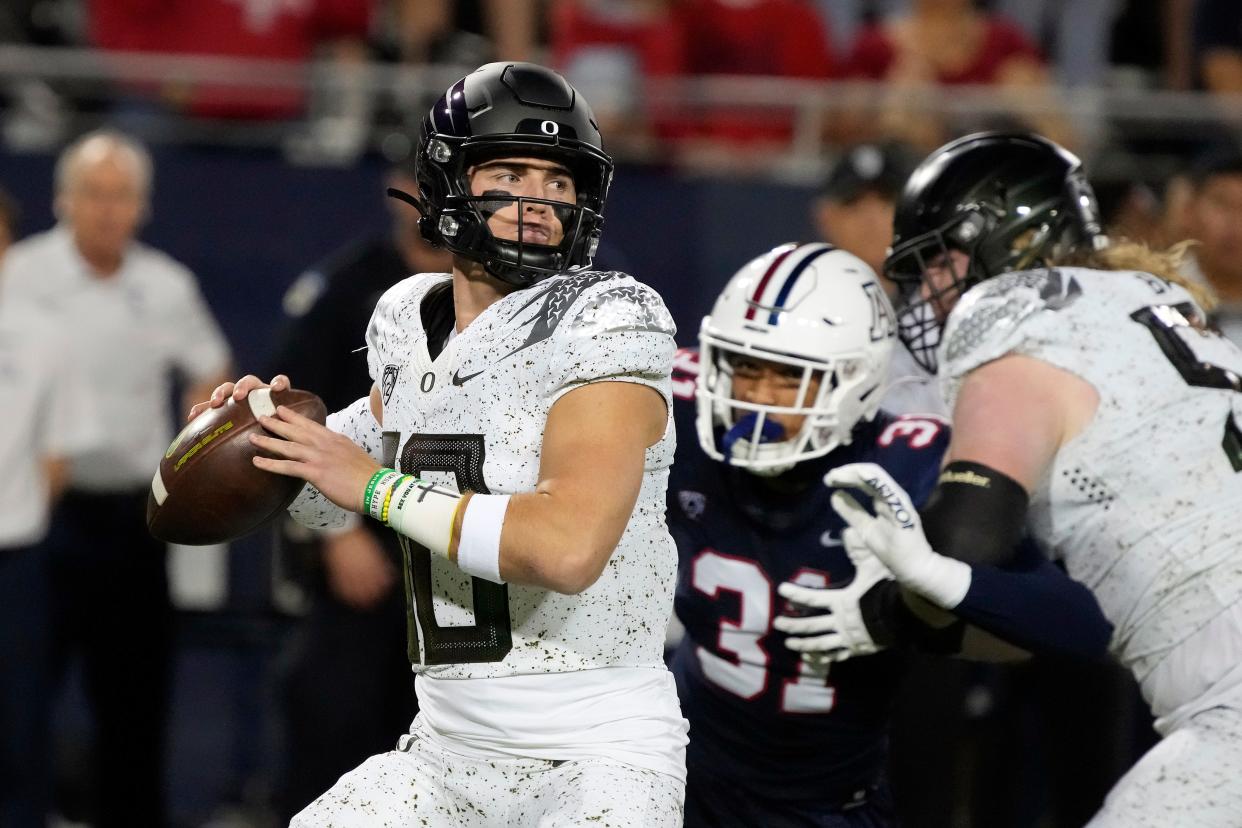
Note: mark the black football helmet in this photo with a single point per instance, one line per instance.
(510, 110)
(1009, 201)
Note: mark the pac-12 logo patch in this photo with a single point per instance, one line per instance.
(389, 381)
(692, 503)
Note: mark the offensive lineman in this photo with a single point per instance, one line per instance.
(786, 386)
(521, 409)
(1092, 404)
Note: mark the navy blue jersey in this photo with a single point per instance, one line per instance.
(758, 719)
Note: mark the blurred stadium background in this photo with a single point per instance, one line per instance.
(271, 150)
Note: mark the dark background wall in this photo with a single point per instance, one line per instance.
(247, 224)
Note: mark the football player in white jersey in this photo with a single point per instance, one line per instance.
(1092, 404)
(518, 437)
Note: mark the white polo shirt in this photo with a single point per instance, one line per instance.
(129, 331)
(48, 413)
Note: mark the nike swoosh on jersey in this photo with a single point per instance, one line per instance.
(458, 379)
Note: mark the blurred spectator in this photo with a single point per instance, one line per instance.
(844, 18)
(15, 21)
(610, 49)
(854, 211)
(1176, 25)
(950, 43)
(462, 33)
(267, 30)
(1218, 45)
(130, 315)
(1079, 31)
(467, 31)
(1218, 68)
(720, 37)
(1132, 210)
(347, 692)
(854, 206)
(47, 418)
(1213, 217)
(35, 114)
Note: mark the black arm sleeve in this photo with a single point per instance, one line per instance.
(975, 514)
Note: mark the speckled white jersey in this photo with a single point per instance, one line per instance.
(473, 418)
(1143, 506)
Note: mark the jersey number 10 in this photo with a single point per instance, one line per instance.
(490, 638)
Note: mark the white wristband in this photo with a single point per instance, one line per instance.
(478, 552)
(424, 513)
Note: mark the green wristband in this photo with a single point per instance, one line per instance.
(376, 506)
(371, 484)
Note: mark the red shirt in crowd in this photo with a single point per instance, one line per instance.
(784, 38)
(259, 29)
(653, 39)
(874, 53)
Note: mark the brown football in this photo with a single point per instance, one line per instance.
(206, 489)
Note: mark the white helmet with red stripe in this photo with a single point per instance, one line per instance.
(821, 312)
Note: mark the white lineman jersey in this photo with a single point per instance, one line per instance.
(473, 418)
(1143, 505)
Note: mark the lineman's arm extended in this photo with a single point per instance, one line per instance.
(1032, 604)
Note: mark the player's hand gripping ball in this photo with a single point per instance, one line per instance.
(206, 489)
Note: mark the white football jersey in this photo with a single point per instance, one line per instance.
(473, 418)
(1144, 505)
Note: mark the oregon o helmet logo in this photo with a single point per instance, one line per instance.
(550, 127)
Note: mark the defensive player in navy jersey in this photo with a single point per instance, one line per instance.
(792, 365)
(786, 387)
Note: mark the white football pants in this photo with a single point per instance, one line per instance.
(426, 785)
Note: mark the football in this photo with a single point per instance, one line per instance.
(206, 489)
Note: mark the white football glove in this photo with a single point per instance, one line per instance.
(841, 632)
(895, 534)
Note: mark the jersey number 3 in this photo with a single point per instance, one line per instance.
(490, 638)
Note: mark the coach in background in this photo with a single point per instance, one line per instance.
(1212, 216)
(132, 318)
